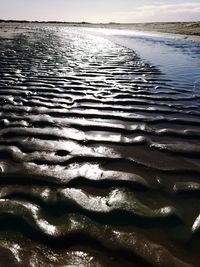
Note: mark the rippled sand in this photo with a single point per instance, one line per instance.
(99, 155)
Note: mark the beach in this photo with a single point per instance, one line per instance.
(99, 152)
(187, 30)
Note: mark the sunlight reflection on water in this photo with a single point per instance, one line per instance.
(178, 59)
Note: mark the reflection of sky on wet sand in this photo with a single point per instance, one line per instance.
(96, 135)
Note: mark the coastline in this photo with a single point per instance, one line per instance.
(182, 30)
(99, 153)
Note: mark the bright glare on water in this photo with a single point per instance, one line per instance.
(178, 59)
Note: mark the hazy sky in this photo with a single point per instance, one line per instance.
(101, 10)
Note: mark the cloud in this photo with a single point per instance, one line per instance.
(162, 12)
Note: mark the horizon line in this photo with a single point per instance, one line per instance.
(87, 22)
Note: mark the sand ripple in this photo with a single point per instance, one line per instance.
(99, 156)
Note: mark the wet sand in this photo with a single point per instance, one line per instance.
(99, 155)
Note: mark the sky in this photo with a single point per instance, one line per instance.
(101, 11)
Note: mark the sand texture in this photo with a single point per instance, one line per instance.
(99, 155)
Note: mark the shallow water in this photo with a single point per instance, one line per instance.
(177, 58)
(99, 155)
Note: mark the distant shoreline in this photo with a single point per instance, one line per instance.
(185, 30)
(182, 30)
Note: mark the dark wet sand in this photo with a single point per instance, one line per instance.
(99, 155)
